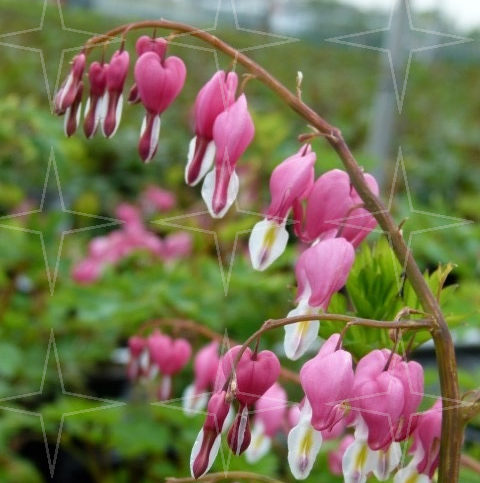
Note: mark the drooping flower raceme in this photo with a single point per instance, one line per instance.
(167, 357)
(425, 447)
(290, 183)
(270, 412)
(159, 81)
(213, 98)
(321, 270)
(116, 75)
(205, 368)
(233, 131)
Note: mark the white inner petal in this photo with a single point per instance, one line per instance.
(387, 461)
(304, 443)
(155, 134)
(267, 242)
(301, 335)
(206, 163)
(208, 188)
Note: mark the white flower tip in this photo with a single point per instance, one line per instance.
(208, 189)
(267, 242)
(387, 461)
(197, 470)
(358, 461)
(198, 166)
(299, 337)
(304, 443)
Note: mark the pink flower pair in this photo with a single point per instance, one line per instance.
(223, 131)
(333, 208)
(254, 374)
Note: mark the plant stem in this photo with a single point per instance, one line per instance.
(452, 429)
(271, 324)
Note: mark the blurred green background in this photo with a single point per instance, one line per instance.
(438, 132)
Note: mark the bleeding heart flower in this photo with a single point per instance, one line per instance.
(321, 271)
(168, 356)
(159, 83)
(95, 107)
(290, 182)
(410, 375)
(233, 131)
(67, 93)
(116, 74)
(213, 98)
(327, 399)
(255, 373)
(380, 402)
(72, 113)
(136, 346)
(147, 44)
(334, 208)
(425, 447)
(304, 443)
(207, 444)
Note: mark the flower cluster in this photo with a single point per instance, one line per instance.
(330, 218)
(371, 405)
(223, 125)
(380, 399)
(158, 81)
(133, 236)
(253, 375)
